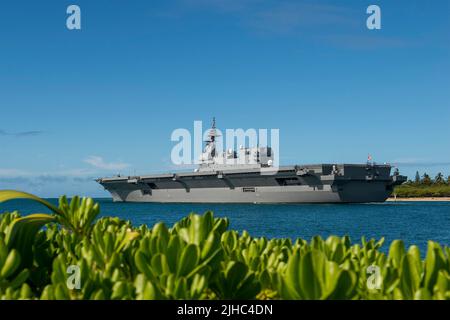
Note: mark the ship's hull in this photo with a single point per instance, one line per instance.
(295, 184)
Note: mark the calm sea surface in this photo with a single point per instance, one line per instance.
(414, 222)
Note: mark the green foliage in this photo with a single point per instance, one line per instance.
(439, 179)
(22, 234)
(417, 191)
(426, 180)
(417, 178)
(424, 187)
(199, 258)
(78, 215)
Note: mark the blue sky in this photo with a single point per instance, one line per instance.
(76, 105)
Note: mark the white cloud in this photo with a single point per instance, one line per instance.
(99, 163)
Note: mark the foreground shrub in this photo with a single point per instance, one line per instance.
(199, 258)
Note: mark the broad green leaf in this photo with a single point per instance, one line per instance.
(443, 282)
(19, 279)
(434, 261)
(143, 265)
(235, 273)
(237, 282)
(422, 294)
(311, 274)
(211, 244)
(344, 286)
(48, 293)
(409, 276)
(159, 264)
(396, 252)
(198, 286)
(22, 234)
(25, 292)
(292, 279)
(119, 291)
(61, 292)
(414, 251)
(144, 288)
(181, 289)
(173, 252)
(188, 260)
(6, 195)
(11, 264)
(248, 288)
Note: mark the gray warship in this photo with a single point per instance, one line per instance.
(248, 176)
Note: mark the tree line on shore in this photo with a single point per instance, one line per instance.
(425, 186)
(426, 180)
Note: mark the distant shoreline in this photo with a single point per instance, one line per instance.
(419, 199)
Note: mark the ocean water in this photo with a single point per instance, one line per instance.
(413, 222)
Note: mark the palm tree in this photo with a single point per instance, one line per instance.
(439, 179)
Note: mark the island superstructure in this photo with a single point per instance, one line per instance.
(248, 175)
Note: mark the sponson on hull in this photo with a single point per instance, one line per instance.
(248, 176)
